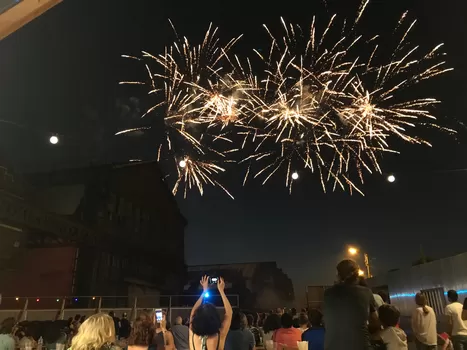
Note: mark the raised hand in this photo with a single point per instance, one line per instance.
(204, 283)
(220, 284)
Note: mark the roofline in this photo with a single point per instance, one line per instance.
(96, 167)
(231, 264)
(22, 13)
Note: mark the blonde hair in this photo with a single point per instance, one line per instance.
(97, 331)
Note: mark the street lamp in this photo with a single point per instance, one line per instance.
(295, 176)
(391, 178)
(182, 163)
(354, 251)
(53, 140)
(361, 273)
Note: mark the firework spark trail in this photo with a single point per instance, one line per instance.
(196, 173)
(198, 98)
(319, 104)
(334, 113)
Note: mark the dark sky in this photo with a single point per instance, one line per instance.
(59, 74)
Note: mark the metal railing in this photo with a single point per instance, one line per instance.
(48, 308)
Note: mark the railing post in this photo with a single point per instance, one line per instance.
(170, 309)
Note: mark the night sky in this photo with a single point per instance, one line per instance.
(60, 74)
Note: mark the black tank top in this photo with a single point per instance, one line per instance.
(159, 341)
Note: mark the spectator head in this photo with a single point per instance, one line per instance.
(286, 321)
(316, 318)
(112, 314)
(303, 320)
(279, 311)
(271, 323)
(384, 295)
(82, 319)
(347, 271)
(149, 316)
(77, 317)
(52, 332)
(124, 316)
(452, 296)
(250, 320)
(97, 331)
(293, 311)
(7, 325)
(420, 300)
(389, 315)
(239, 320)
(206, 320)
(142, 333)
(178, 320)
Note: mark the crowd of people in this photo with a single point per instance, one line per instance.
(354, 319)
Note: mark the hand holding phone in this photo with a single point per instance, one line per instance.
(159, 315)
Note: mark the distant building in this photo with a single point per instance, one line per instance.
(260, 285)
(124, 234)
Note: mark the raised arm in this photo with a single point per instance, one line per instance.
(228, 308)
(205, 284)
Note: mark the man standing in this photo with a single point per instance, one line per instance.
(349, 310)
(181, 335)
(458, 327)
(125, 326)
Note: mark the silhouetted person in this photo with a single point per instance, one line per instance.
(348, 309)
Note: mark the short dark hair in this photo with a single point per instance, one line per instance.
(384, 295)
(251, 320)
(238, 320)
(7, 325)
(389, 315)
(453, 296)
(286, 321)
(303, 319)
(271, 323)
(316, 318)
(347, 270)
(206, 320)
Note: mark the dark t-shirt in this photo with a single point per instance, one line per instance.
(181, 335)
(239, 339)
(346, 312)
(125, 328)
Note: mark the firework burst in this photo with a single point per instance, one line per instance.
(331, 103)
(325, 108)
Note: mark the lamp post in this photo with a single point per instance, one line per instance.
(354, 251)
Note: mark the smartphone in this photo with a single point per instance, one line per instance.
(159, 315)
(213, 280)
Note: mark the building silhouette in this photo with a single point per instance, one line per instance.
(110, 230)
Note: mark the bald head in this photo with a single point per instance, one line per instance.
(178, 320)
